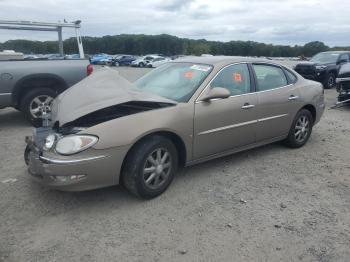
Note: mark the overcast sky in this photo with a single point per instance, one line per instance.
(271, 21)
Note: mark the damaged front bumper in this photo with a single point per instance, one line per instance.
(343, 89)
(86, 170)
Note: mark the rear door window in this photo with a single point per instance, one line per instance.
(269, 77)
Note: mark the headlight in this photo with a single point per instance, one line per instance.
(72, 144)
(321, 67)
(49, 141)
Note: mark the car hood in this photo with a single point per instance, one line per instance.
(344, 71)
(102, 89)
(309, 63)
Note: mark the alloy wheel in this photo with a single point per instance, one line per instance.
(331, 81)
(40, 105)
(302, 129)
(157, 168)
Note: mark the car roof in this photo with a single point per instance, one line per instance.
(220, 60)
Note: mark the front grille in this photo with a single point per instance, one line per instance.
(345, 86)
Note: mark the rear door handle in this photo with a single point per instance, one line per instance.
(293, 97)
(247, 106)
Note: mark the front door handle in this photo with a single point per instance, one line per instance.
(247, 106)
(293, 97)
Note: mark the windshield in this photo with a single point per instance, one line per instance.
(175, 81)
(325, 58)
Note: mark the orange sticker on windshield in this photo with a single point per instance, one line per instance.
(237, 77)
(189, 74)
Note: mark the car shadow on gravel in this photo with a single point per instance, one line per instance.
(236, 158)
(12, 118)
(59, 201)
(117, 196)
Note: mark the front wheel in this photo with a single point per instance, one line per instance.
(150, 167)
(301, 129)
(329, 82)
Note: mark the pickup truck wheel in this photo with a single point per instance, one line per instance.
(150, 167)
(37, 102)
(329, 81)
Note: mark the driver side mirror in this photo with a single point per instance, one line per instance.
(216, 93)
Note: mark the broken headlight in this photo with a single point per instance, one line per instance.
(72, 144)
(49, 141)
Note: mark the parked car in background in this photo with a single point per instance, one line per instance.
(177, 57)
(123, 60)
(179, 114)
(72, 56)
(30, 86)
(158, 61)
(55, 57)
(33, 57)
(101, 59)
(323, 67)
(10, 55)
(343, 85)
(143, 61)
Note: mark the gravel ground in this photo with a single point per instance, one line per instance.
(267, 204)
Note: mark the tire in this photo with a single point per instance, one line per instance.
(140, 176)
(329, 82)
(141, 64)
(300, 131)
(29, 102)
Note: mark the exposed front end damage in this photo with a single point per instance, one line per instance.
(87, 166)
(343, 86)
(113, 112)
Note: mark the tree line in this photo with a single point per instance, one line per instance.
(167, 45)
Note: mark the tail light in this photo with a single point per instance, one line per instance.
(89, 69)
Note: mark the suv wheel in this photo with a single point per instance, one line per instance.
(330, 81)
(150, 167)
(301, 129)
(37, 102)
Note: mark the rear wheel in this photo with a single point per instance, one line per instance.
(141, 64)
(301, 129)
(150, 167)
(36, 103)
(329, 81)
